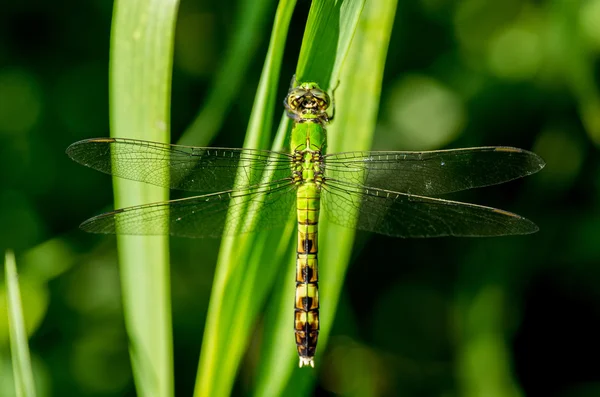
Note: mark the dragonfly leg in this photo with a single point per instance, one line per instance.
(330, 118)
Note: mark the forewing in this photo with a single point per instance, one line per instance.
(406, 215)
(432, 173)
(180, 167)
(270, 206)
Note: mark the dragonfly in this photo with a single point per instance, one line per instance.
(386, 192)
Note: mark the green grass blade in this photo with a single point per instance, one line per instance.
(357, 102)
(240, 285)
(480, 317)
(140, 85)
(251, 23)
(330, 25)
(359, 95)
(329, 31)
(21, 360)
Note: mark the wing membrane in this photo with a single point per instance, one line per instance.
(432, 173)
(202, 216)
(406, 215)
(179, 167)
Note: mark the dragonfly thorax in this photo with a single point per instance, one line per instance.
(307, 167)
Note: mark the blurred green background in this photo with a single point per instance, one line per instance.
(513, 316)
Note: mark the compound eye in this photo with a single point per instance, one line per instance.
(323, 99)
(295, 97)
(297, 92)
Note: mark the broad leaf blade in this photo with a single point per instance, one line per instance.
(331, 25)
(140, 85)
(241, 281)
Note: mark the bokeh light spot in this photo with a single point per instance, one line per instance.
(423, 114)
(590, 114)
(99, 361)
(515, 53)
(589, 19)
(350, 368)
(95, 289)
(477, 21)
(48, 259)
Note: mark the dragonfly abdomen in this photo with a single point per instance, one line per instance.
(306, 314)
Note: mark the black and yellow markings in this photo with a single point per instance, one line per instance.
(308, 206)
(307, 239)
(306, 325)
(307, 341)
(307, 322)
(306, 317)
(307, 296)
(306, 313)
(306, 269)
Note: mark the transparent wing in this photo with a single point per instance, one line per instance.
(432, 173)
(406, 215)
(202, 216)
(187, 167)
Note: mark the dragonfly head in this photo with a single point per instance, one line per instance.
(308, 101)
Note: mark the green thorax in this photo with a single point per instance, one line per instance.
(310, 136)
(307, 106)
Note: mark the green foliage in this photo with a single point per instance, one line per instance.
(140, 76)
(242, 281)
(23, 375)
(245, 282)
(240, 286)
(505, 317)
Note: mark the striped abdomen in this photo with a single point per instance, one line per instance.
(306, 324)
